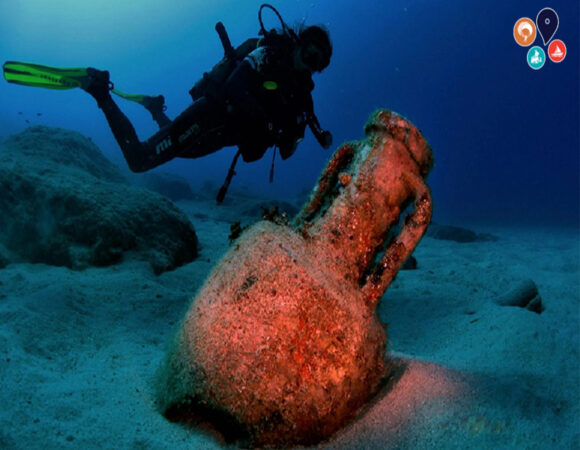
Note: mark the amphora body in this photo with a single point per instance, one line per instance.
(282, 345)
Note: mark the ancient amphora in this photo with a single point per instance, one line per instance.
(282, 345)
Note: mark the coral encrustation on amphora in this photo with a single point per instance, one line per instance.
(282, 344)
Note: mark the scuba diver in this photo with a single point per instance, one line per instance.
(258, 96)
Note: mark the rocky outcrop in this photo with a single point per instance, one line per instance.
(64, 148)
(457, 234)
(523, 294)
(170, 185)
(63, 203)
(3, 257)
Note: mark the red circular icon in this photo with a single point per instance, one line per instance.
(557, 50)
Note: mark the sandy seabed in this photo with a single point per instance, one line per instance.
(79, 349)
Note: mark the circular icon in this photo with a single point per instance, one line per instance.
(557, 51)
(536, 57)
(525, 32)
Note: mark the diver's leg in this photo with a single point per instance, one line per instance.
(194, 133)
(140, 156)
(160, 148)
(156, 106)
(135, 153)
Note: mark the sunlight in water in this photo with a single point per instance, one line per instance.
(108, 23)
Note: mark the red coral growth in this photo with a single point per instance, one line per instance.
(283, 344)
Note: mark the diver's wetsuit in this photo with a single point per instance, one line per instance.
(265, 102)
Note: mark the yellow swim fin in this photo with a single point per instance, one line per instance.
(37, 75)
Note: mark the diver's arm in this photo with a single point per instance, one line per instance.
(323, 137)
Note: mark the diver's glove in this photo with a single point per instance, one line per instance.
(324, 139)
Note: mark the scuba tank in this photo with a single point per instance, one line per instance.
(211, 84)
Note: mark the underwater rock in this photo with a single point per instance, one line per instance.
(410, 263)
(283, 345)
(171, 186)
(458, 234)
(65, 206)
(63, 147)
(524, 295)
(4, 259)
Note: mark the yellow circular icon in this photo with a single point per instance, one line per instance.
(525, 32)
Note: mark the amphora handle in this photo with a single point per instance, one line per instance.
(400, 248)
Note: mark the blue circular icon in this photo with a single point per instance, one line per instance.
(536, 57)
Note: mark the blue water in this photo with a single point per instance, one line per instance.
(505, 137)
